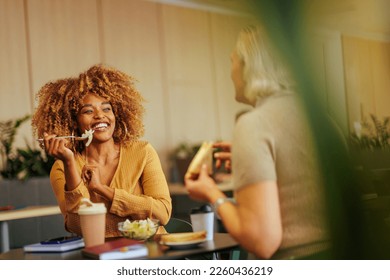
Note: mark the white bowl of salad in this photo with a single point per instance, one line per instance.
(139, 229)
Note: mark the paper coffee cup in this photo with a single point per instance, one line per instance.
(203, 219)
(92, 222)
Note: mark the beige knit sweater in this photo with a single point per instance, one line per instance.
(274, 142)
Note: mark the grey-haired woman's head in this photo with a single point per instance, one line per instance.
(257, 70)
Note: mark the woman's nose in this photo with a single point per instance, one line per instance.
(98, 114)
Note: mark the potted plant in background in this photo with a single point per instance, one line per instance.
(8, 130)
(25, 182)
(24, 171)
(370, 151)
(180, 159)
(370, 142)
(21, 163)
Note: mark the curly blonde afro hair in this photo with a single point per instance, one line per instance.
(59, 102)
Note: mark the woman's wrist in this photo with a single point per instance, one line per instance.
(105, 191)
(220, 201)
(217, 203)
(215, 194)
(70, 162)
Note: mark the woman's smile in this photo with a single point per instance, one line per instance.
(96, 113)
(101, 126)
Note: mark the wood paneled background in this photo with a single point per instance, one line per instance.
(181, 59)
(353, 45)
(367, 77)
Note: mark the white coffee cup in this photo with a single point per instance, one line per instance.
(203, 219)
(92, 222)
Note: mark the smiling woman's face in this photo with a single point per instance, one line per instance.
(96, 113)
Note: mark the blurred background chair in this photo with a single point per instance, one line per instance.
(380, 180)
(178, 225)
(376, 208)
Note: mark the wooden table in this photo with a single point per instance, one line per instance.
(222, 242)
(23, 213)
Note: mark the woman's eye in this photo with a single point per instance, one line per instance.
(87, 112)
(108, 109)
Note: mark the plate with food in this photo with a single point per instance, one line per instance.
(183, 240)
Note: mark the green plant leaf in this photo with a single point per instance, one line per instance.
(375, 135)
(22, 163)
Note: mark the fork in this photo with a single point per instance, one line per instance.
(77, 138)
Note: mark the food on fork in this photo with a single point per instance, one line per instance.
(88, 134)
(203, 156)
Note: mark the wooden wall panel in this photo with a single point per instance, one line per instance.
(316, 50)
(367, 71)
(380, 59)
(189, 75)
(334, 81)
(63, 38)
(224, 32)
(132, 44)
(335, 88)
(15, 97)
(180, 57)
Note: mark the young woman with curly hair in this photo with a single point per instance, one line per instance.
(116, 168)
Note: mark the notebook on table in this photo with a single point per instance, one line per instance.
(118, 249)
(56, 245)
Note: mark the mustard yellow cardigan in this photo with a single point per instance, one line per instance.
(140, 190)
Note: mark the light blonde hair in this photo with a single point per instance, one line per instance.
(264, 72)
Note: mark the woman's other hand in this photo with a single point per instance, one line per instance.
(91, 177)
(223, 156)
(204, 188)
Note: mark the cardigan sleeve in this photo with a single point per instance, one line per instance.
(68, 201)
(143, 190)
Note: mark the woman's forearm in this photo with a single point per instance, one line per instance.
(255, 220)
(72, 175)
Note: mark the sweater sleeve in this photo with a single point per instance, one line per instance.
(253, 152)
(68, 201)
(143, 190)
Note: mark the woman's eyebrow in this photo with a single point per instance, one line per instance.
(86, 105)
(90, 105)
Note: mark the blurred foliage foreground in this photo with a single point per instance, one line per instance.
(354, 233)
(18, 163)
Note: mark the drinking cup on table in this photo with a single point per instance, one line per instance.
(92, 221)
(202, 218)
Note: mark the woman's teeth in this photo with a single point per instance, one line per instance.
(100, 126)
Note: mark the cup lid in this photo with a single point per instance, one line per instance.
(89, 208)
(203, 209)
